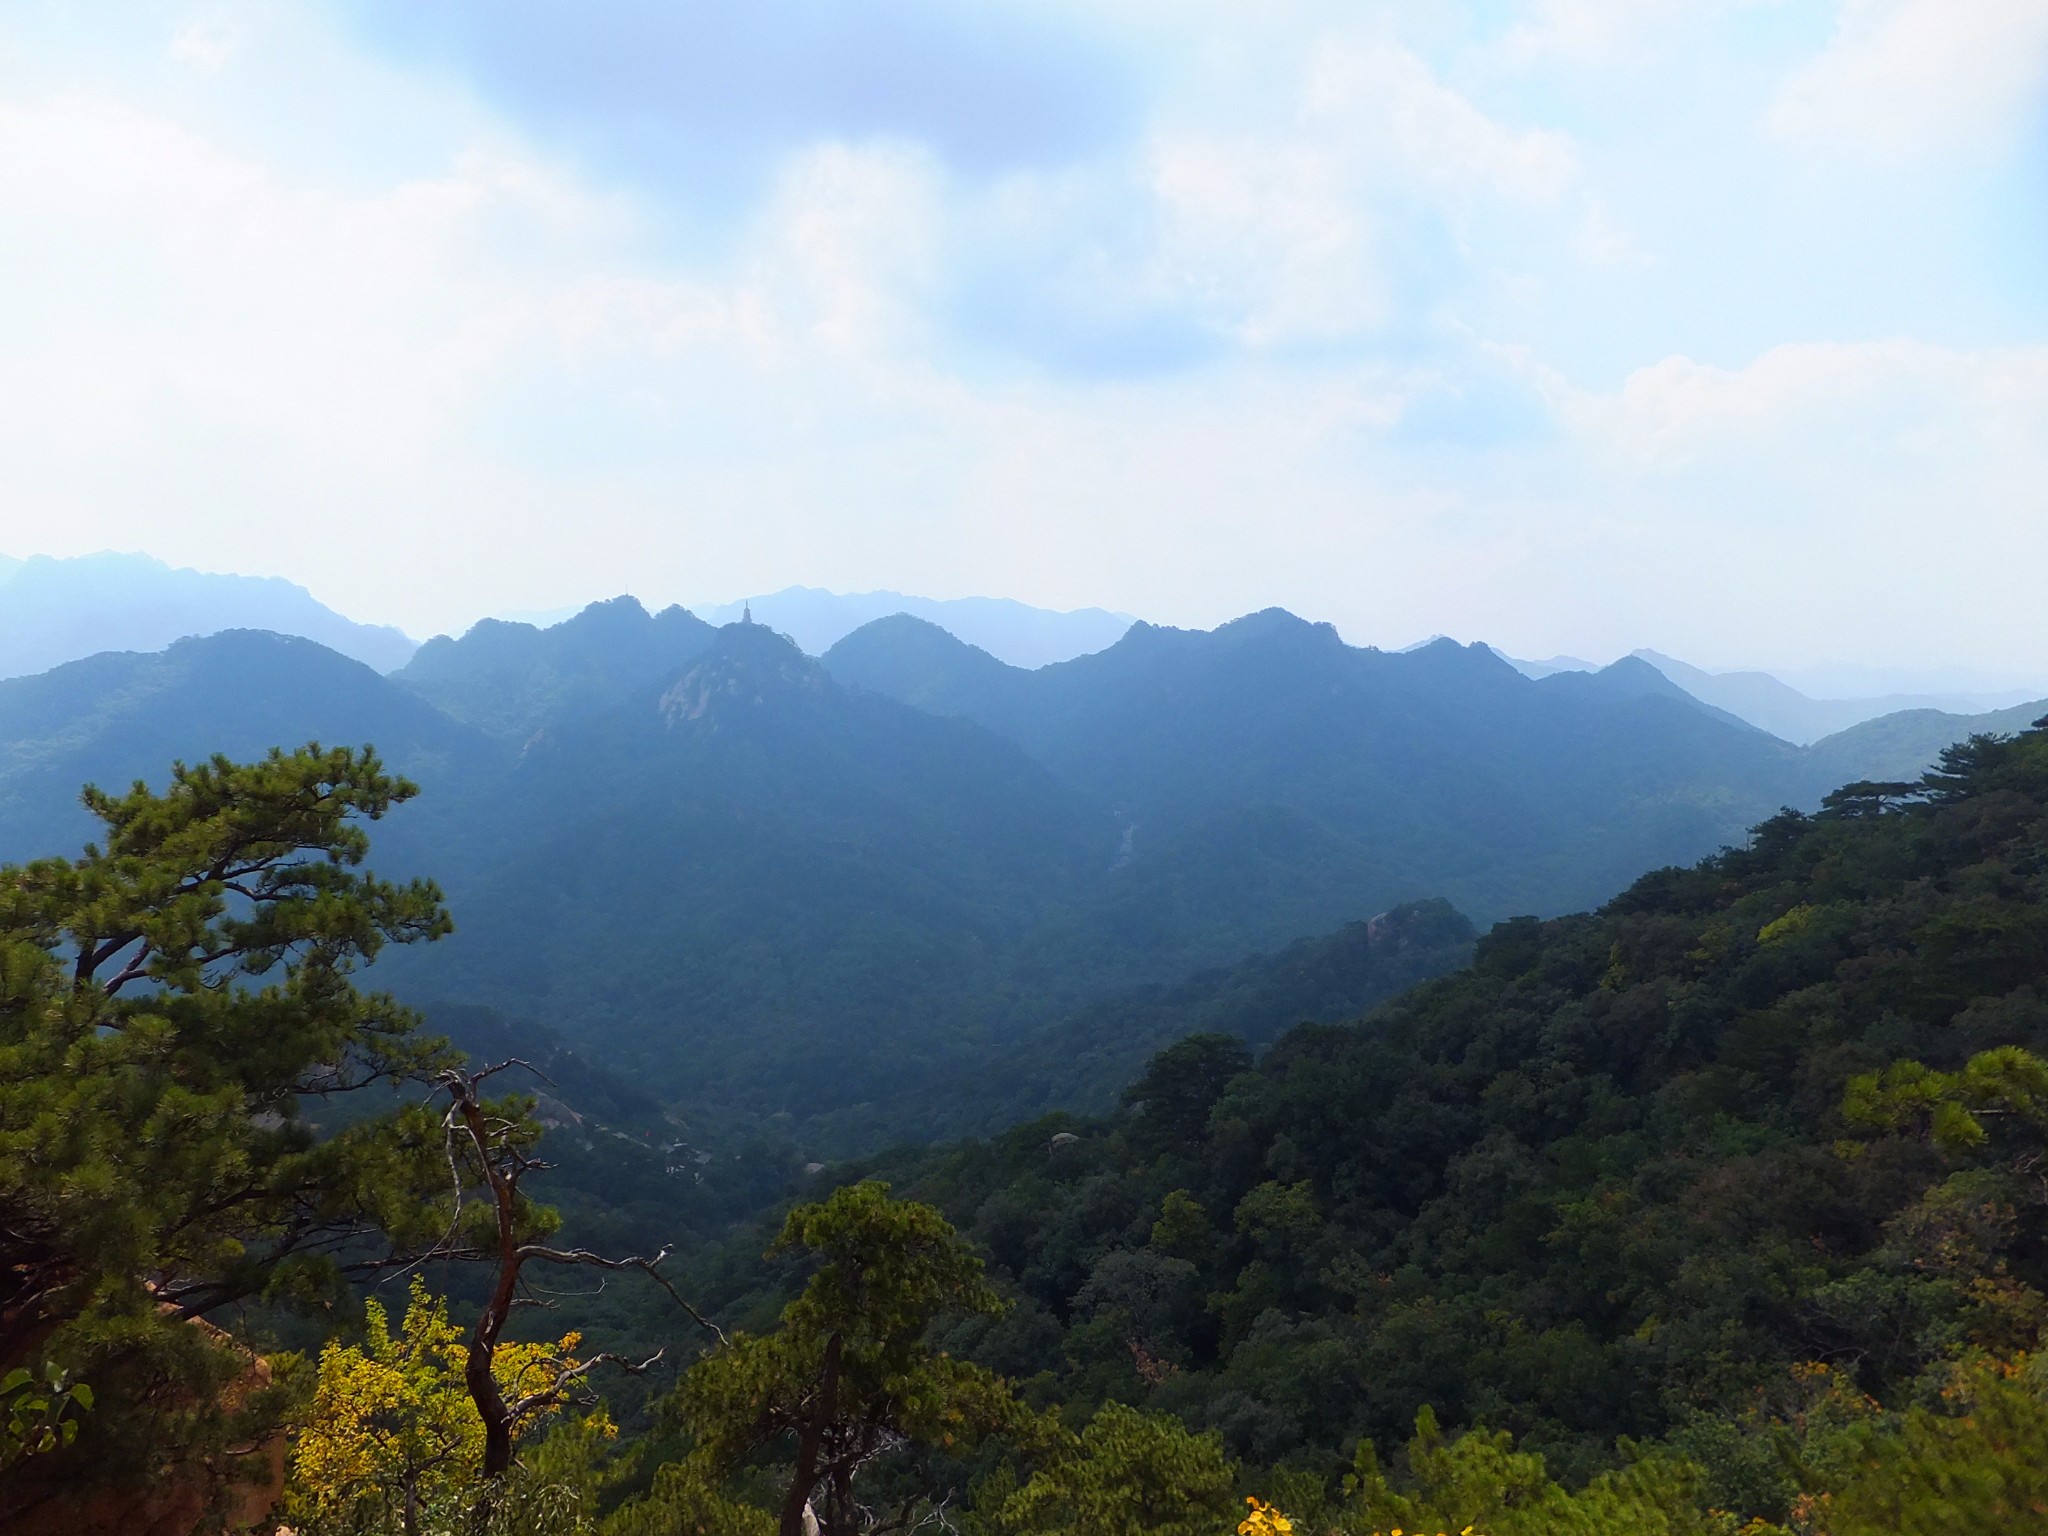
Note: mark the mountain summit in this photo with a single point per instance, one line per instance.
(510, 679)
(746, 668)
(1020, 634)
(53, 611)
(853, 888)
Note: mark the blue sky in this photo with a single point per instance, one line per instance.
(1719, 326)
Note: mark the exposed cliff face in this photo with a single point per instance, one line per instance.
(748, 667)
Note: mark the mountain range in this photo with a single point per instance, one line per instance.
(53, 611)
(907, 882)
(58, 610)
(1019, 634)
(1771, 705)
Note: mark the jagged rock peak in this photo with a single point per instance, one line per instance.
(747, 666)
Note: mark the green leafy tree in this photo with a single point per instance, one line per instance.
(849, 1378)
(169, 1001)
(1182, 1083)
(1977, 1461)
(1479, 1484)
(393, 1427)
(2008, 1084)
(1974, 1457)
(38, 1412)
(1127, 1474)
(686, 1500)
(1183, 1230)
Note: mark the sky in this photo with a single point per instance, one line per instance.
(1715, 326)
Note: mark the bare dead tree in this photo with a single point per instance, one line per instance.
(493, 1151)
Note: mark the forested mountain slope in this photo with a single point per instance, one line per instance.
(510, 679)
(789, 896)
(757, 887)
(760, 889)
(1082, 1060)
(1905, 745)
(1439, 771)
(754, 889)
(1599, 1184)
(126, 715)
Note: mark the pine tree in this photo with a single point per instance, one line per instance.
(170, 1002)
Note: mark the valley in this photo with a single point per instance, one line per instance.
(854, 894)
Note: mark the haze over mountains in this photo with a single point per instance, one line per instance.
(1775, 706)
(907, 884)
(58, 610)
(1771, 704)
(888, 890)
(52, 611)
(1021, 635)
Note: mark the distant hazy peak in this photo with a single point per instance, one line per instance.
(1773, 705)
(917, 662)
(1267, 622)
(56, 610)
(511, 678)
(629, 611)
(1542, 669)
(745, 667)
(1662, 662)
(1265, 628)
(228, 649)
(624, 613)
(610, 619)
(1014, 632)
(1444, 647)
(906, 632)
(1639, 667)
(1634, 677)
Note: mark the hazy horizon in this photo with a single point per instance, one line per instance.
(1842, 681)
(1575, 325)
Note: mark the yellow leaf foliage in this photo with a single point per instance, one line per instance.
(392, 1424)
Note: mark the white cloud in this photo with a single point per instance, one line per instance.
(1894, 404)
(1922, 78)
(1280, 231)
(1604, 32)
(853, 232)
(461, 374)
(1271, 239)
(151, 272)
(1882, 499)
(205, 45)
(1386, 106)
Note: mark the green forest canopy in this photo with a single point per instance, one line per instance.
(1642, 1209)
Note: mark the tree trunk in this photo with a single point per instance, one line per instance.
(839, 1498)
(477, 1374)
(810, 1439)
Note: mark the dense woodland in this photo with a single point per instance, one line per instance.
(874, 897)
(1717, 1209)
(1722, 1198)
